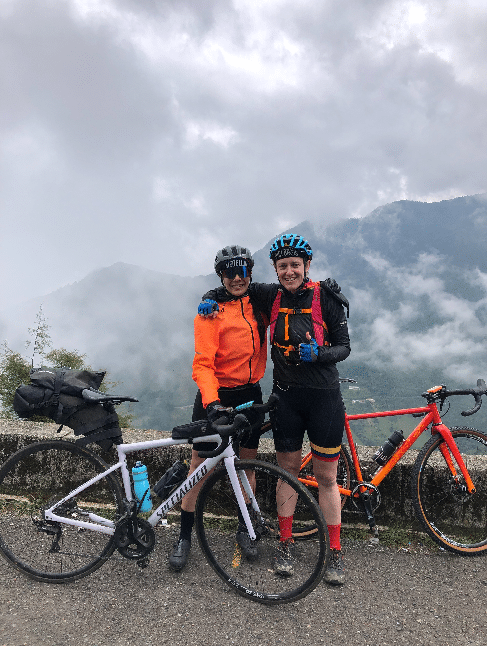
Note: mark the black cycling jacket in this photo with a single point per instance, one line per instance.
(290, 372)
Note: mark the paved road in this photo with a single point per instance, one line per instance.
(392, 597)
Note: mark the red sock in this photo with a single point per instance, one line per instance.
(334, 534)
(285, 527)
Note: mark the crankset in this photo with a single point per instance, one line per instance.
(371, 496)
(135, 538)
(366, 498)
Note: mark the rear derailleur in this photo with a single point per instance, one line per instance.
(68, 509)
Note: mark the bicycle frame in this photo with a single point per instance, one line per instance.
(105, 526)
(431, 416)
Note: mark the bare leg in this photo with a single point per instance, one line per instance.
(189, 501)
(329, 496)
(330, 504)
(286, 496)
(325, 473)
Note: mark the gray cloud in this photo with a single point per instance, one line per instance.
(154, 133)
(430, 327)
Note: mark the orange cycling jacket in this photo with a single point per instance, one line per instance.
(228, 352)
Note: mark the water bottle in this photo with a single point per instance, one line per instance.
(173, 477)
(382, 455)
(141, 486)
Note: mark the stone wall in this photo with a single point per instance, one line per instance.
(395, 508)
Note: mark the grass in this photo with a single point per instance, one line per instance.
(398, 537)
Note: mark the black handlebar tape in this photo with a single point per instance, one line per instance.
(219, 449)
(224, 431)
(478, 404)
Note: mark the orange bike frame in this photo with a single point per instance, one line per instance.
(431, 416)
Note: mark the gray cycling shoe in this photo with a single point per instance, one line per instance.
(335, 573)
(180, 554)
(247, 545)
(285, 558)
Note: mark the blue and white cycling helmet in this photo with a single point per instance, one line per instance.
(290, 245)
(232, 258)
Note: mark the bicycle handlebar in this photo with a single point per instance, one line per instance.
(238, 422)
(224, 431)
(441, 393)
(264, 408)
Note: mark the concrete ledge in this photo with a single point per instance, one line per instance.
(395, 508)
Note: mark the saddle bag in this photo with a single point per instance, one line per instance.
(57, 394)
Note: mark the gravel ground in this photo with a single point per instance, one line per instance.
(407, 596)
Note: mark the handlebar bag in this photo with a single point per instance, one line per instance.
(199, 428)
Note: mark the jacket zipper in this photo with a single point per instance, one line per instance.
(253, 339)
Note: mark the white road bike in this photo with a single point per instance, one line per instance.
(64, 511)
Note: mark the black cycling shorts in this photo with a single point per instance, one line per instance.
(232, 397)
(319, 412)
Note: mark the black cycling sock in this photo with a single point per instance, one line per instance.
(187, 522)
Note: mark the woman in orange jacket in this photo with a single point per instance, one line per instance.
(229, 361)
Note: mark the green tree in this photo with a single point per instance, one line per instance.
(63, 358)
(15, 369)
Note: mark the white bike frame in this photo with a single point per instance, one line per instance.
(106, 526)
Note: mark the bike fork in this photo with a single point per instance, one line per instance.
(234, 479)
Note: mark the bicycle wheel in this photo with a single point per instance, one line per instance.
(31, 480)
(306, 528)
(451, 516)
(217, 522)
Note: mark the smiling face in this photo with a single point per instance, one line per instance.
(236, 286)
(291, 272)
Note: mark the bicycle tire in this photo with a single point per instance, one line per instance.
(344, 478)
(217, 523)
(453, 518)
(30, 480)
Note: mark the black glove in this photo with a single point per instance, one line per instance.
(332, 284)
(217, 414)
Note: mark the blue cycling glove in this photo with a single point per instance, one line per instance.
(207, 307)
(308, 351)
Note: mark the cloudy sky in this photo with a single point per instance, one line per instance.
(431, 328)
(155, 131)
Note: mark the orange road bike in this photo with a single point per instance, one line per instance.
(448, 478)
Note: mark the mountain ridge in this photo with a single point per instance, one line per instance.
(415, 274)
